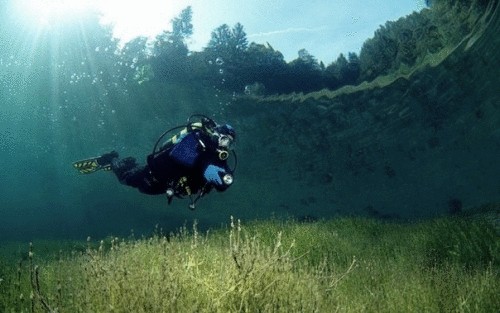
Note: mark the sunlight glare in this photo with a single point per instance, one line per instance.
(50, 11)
(129, 19)
(135, 18)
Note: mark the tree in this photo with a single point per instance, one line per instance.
(344, 71)
(226, 52)
(304, 73)
(378, 54)
(264, 65)
(335, 72)
(182, 27)
(353, 70)
(228, 44)
(239, 40)
(220, 40)
(170, 49)
(134, 56)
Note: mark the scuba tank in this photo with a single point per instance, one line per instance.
(206, 124)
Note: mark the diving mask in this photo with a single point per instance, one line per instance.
(224, 136)
(225, 141)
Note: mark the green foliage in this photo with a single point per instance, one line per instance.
(170, 60)
(397, 46)
(342, 71)
(407, 41)
(346, 264)
(303, 73)
(87, 61)
(378, 53)
(264, 64)
(399, 43)
(229, 44)
(182, 26)
(170, 52)
(465, 242)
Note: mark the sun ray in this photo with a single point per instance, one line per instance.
(44, 13)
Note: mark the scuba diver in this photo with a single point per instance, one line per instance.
(191, 163)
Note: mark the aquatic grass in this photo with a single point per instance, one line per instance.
(343, 265)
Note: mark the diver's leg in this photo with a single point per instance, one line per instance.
(138, 176)
(107, 158)
(127, 171)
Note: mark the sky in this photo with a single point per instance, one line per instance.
(325, 28)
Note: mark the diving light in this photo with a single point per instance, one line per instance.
(228, 179)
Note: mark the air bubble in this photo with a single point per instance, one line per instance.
(219, 61)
